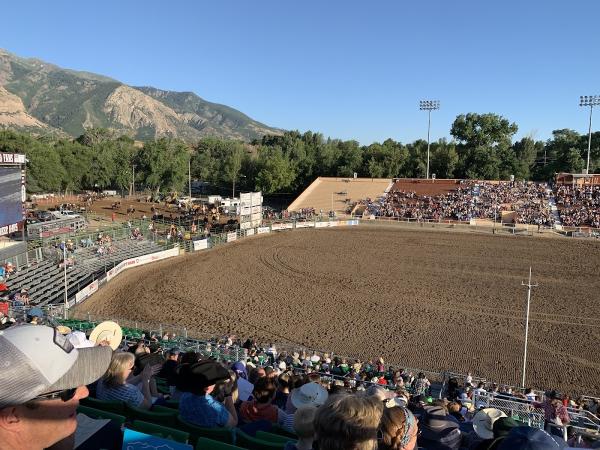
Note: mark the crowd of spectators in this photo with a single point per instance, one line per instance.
(327, 403)
(471, 200)
(579, 206)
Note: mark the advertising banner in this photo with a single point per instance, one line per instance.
(231, 236)
(140, 260)
(261, 230)
(282, 226)
(200, 244)
(86, 291)
(321, 224)
(305, 224)
(250, 232)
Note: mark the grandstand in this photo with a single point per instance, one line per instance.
(337, 194)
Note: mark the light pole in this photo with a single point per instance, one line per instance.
(64, 246)
(591, 101)
(529, 286)
(429, 105)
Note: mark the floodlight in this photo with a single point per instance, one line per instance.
(591, 101)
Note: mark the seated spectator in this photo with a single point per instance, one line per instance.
(196, 405)
(117, 384)
(261, 407)
(284, 383)
(528, 438)
(438, 430)
(348, 422)
(306, 394)
(483, 428)
(169, 369)
(398, 429)
(245, 388)
(41, 385)
(304, 428)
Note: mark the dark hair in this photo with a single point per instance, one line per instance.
(264, 390)
(190, 358)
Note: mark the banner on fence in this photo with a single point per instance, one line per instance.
(305, 224)
(86, 291)
(231, 236)
(261, 230)
(250, 232)
(71, 303)
(333, 223)
(140, 260)
(4, 308)
(200, 244)
(282, 226)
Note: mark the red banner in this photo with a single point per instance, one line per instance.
(4, 308)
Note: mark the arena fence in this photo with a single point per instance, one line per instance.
(522, 411)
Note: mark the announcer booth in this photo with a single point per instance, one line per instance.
(12, 193)
(578, 179)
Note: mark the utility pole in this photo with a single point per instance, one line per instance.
(66, 307)
(133, 180)
(190, 178)
(529, 286)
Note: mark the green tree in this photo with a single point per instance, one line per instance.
(443, 159)
(275, 172)
(162, 164)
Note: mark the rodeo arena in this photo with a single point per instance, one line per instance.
(369, 314)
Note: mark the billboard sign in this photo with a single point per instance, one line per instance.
(11, 198)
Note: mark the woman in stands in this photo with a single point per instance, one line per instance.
(118, 384)
(398, 429)
(260, 407)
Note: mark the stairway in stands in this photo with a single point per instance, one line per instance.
(553, 207)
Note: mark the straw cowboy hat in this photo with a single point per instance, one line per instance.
(107, 331)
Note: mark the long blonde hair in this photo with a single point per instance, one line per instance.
(115, 374)
(348, 422)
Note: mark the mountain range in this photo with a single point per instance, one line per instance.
(42, 98)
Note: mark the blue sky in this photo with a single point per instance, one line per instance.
(348, 69)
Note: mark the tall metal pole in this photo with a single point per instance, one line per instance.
(587, 170)
(529, 286)
(233, 190)
(133, 181)
(429, 105)
(66, 313)
(190, 177)
(591, 101)
(428, 143)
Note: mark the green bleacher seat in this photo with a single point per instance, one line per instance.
(99, 414)
(217, 434)
(272, 437)
(160, 431)
(246, 441)
(166, 418)
(210, 444)
(276, 429)
(114, 406)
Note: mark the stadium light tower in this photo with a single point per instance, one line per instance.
(429, 105)
(591, 101)
(529, 286)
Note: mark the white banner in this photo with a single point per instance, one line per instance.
(86, 291)
(250, 232)
(140, 260)
(335, 223)
(200, 244)
(282, 226)
(262, 230)
(231, 236)
(321, 224)
(305, 224)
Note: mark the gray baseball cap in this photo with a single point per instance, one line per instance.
(36, 359)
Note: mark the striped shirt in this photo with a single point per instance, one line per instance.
(127, 393)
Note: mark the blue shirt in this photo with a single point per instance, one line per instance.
(202, 411)
(127, 393)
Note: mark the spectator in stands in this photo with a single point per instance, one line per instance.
(284, 383)
(304, 427)
(169, 369)
(438, 430)
(43, 379)
(398, 429)
(118, 384)
(261, 407)
(348, 422)
(196, 405)
(555, 413)
(483, 428)
(245, 388)
(528, 438)
(421, 384)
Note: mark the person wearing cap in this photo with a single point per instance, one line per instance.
(261, 407)
(43, 379)
(529, 438)
(245, 388)
(438, 430)
(196, 405)
(555, 412)
(169, 369)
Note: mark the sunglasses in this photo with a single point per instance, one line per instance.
(64, 395)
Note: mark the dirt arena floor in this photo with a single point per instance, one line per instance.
(425, 299)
